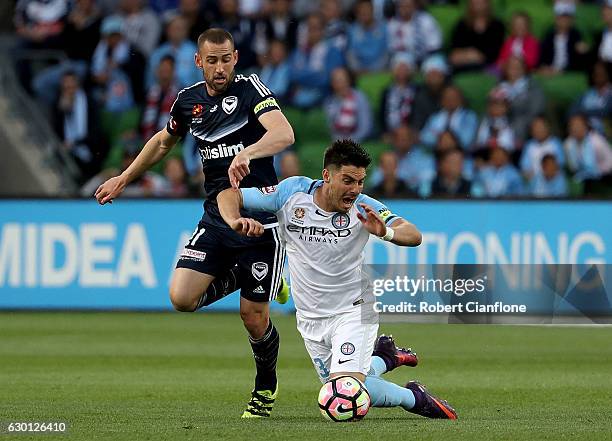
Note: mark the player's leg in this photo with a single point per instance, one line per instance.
(204, 272)
(187, 288)
(261, 267)
(352, 346)
(315, 334)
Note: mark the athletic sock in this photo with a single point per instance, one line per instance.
(265, 353)
(220, 287)
(377, 366)
(386, 394)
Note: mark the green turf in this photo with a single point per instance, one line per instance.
(130, 376)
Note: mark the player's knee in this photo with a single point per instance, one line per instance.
(254, 321)
(181, 302)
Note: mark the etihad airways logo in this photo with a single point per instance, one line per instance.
(318, 234)
(221, 151)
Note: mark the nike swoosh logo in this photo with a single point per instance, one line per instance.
(320, 214)
(344, 361)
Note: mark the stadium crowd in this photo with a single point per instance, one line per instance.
(126, 60)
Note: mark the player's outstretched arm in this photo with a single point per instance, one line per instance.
(153, 151)
(230, 202)
(278, 136)
(403, 232)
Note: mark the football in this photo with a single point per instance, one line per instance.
(344, 399)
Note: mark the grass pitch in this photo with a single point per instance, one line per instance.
(153, 376)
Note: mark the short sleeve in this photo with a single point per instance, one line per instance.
(387, 216)
(273, 198)
(178, 124)
(262, 100)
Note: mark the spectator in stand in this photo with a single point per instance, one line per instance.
(495, 129)
(336, 28)
(250, 8)
(499, 178)
(596, 103)
(415, 167)
(275, 73)
(427, 95)
(160, 98)
(391, 185)
(181, 49)
(413, 30)
(602, 47)
(589, 155)
(525, 96)
(521, 43)
(550, 181)
(367, 41)
(81, 35)
(74, 123)
(562, 48)
(449, 181)
(39, 24)
(311, 66)
(198, 16)
(448, 141)
(175, 183)
(477, 38)
(141, 27)
(289, 165)
(541, 143)
(347, 109)
(280, 24)
(110, 64)
(452, 116)
(397, 101)
(243, 31)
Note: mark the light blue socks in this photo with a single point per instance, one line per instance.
(384, 393)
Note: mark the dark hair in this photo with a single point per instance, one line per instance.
(215, 36)
(70, 73)
(548, 157)
(346, 152)
(167, 57)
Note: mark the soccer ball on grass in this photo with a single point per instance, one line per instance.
(344, 399)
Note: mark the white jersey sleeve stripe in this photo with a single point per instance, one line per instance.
(277, 269)
(259, 89)
(261, 84)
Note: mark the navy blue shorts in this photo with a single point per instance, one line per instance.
(215, 250)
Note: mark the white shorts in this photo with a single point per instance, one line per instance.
(341, 343)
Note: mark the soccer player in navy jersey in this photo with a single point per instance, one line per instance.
(238, 127)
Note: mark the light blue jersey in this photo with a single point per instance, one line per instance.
(325, 249)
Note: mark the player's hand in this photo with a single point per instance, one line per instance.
(239, 168)
(372, 221)
(110, 190)
(247, 227)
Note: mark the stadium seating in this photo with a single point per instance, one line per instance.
(373, 85)
(447, 16)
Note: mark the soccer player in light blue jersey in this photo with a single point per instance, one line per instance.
(325, 225)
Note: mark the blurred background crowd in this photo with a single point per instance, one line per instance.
(472, 98)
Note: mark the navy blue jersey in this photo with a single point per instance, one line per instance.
(224, 125)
